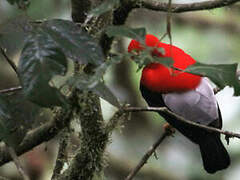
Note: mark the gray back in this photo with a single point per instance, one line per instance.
(199, 105)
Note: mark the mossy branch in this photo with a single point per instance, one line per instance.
(89, 157)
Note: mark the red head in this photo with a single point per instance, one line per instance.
(159, 78)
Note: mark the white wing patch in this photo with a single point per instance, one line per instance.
(199, 105)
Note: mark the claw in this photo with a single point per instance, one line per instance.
(169, 129)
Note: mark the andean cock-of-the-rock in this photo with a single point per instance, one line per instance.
(188, 95)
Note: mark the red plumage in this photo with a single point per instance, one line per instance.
(162, 79)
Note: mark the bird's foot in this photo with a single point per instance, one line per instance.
(169, 129)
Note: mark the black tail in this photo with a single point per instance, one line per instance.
(214, 155)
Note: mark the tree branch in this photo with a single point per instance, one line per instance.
(164, 110)
(147, 155)
(179, 8)
(119, 168)
(10, 90)
(17, 163)
(38, 136)
(11, 63)
(89, 157)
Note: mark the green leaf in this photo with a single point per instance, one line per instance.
(86, 82)
(221, 74)
(74, 41)
(166, 61)
(133, 33)
(104, 7)
(104, 92)
(41, 59)
(145, 57)
(94, 82)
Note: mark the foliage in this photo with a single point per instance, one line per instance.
(221, 74)
(104, 7)
(124, 31)
(49, 45)
(40, 60)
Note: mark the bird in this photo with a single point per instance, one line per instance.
(185, 94)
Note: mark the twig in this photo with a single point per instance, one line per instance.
(147, 156)
(116, 120)
(118, 167)
(227, 134)
(169, 15)
(179, 8)
(17, 162)
(11, 63)
(10, 90)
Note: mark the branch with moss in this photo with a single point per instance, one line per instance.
(179, 8)
(88, 160)
(39, 135)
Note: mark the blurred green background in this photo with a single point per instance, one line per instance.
(210, 36)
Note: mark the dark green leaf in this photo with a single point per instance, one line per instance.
(166, 61)
(100, 70)
(133, 33)
(41, 59)
(94, 84)
(221, 74)
(104, 92)
(145, 57)
(74, 42)
(105, 7)
(82, 81)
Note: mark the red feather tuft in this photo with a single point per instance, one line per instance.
(159, 78)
